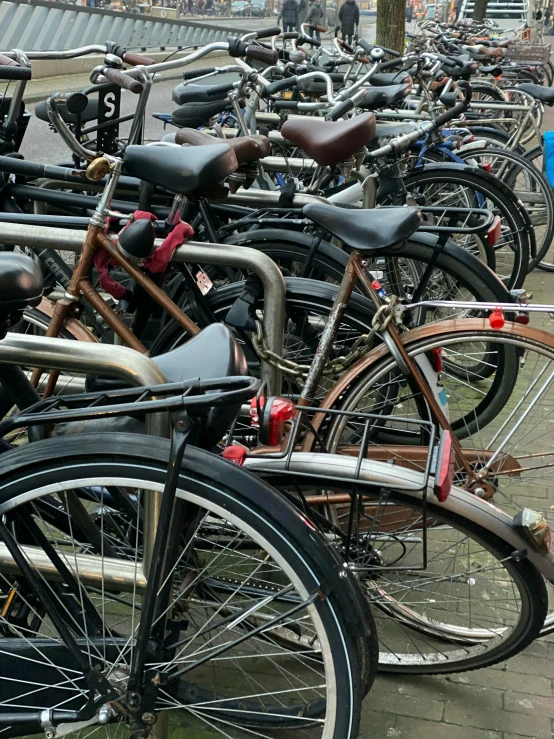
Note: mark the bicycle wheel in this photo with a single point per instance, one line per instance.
(450, 185)
(307, 308)
(251, 645)
(510, 444)
(529, 185)
(470, 607)
(417, 271)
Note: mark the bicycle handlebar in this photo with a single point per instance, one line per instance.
(122, 80)
(15, 72)
(268, 32)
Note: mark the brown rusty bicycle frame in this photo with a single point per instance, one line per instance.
(355, 271)
(81, 288)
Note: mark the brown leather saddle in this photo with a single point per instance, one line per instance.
(246, 148)
(330, 142)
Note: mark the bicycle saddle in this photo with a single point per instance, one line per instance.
(330, 142)
(194, 115)
(391, 130)
(366, 230)
(375, 98)
(390, 78)
(493, 69)
(543, 94)
(182, 171)
(378, 97)
(246, 148)
(20, 287)
(200, 93)
(90, 113)
(213, 353)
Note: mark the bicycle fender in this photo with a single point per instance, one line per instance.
(410, 485)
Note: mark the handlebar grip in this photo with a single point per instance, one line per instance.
(309, 40)
(390, 64)
(15, 73)
(122, 80)
(261, 54)
(340, 110)
(194, 73)
(285, 105)
(345, 46)
(5, 61)
(269, 32)
(286, 84)
(366, 46)
(21, 167)
(136, 59)
(75, 102)
(391, 52)
(290, 35)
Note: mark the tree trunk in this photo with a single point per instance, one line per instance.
(480, 9)
(391, 22)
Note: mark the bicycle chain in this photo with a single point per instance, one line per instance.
(380, 321)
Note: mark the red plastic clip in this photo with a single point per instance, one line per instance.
(496, 319)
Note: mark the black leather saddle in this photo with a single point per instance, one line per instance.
(390, 78)
(90, 113)
(183, 94)
(543, 94)
(180, 170)
(391, 130)
(20, 282)
(366, 230)
(20, 287)
(378, 97)
(194, 115)
(213, 353)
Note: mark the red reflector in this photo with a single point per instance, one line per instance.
(522, 318)
(444, 470)
(235, 453)
(273, 415)
(487, 167)
(436, 358)
(496, 319)
(469, 139)
(495, 231)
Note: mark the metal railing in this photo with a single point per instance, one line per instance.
(52, 26)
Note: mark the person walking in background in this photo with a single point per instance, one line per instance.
(315, 18)
(349, 17)
(288, 15)
(301, 13)
(409, 12)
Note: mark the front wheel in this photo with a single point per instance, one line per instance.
(258, 646)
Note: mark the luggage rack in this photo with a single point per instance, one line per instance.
(528, 54)
(169, 397)
(368, 471)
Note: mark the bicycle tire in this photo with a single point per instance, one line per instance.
(541, 185)
(497, 198)
(446, 653)
(210, 482)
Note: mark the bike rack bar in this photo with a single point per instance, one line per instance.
(115, 361)
(16, 234)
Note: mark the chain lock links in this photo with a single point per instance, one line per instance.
(380, 321)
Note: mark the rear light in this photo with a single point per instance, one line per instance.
(469, 139)
(487, 167)
(444, 468)
(534, 528)
(495, 231)
(235, 453)
(436, 358)
(522, 318)
(496, 319)
(270, 417)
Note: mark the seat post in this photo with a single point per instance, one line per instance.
(330, 331)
